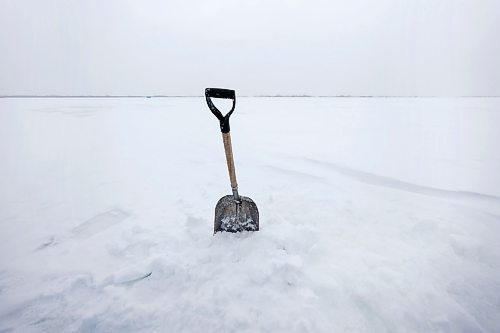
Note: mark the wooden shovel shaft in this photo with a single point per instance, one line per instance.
(226, 137)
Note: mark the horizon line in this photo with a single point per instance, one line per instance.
(256, 96)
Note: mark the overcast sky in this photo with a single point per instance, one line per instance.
(360, 47)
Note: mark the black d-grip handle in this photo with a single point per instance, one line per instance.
(220, 93)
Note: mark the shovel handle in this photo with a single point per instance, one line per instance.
(224, 127)
(226, 137)
(220, 93)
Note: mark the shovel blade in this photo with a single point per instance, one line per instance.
(233, 216)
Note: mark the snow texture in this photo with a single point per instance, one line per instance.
(376, 215)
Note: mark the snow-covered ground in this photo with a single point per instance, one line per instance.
(377, 215)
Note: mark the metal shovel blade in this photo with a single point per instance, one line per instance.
(234, 216)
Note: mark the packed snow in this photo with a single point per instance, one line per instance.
(376, 215)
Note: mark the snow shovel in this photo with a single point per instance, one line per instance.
(233, 213)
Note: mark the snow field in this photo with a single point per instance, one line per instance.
(377, 215)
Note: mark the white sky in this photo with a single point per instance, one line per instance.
(357, 47)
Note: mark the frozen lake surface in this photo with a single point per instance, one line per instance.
(377, 215)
